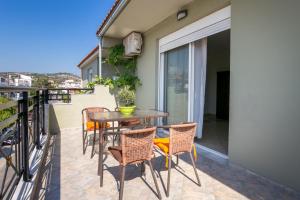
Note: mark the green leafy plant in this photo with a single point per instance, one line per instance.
(126, 96)
(6, 113)
(101, 81)
(125, 70)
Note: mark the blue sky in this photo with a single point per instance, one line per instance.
(48, 35)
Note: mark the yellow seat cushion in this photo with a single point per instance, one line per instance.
(163, 144)
(162, 140)
(90, 125)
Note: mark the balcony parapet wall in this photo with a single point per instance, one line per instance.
(68, 115)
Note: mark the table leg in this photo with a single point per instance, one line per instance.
(148, 121)
(94, 139)
(100, 161)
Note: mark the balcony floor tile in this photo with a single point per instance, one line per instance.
(68, 174)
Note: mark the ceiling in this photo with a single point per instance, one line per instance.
(141, 15)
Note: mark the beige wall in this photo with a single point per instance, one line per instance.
(147, 62)
(108, 42)
(264, 99)
(264, 133)
(68, 115)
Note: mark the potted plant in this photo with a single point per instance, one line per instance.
(126, 98)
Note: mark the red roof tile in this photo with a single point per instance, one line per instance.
(113, 8)
(88, 56)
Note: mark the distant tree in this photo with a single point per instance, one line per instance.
(41, 82)
(6, 113)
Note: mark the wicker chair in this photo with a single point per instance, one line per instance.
(136, 147)
(181, 141)
(88, 125)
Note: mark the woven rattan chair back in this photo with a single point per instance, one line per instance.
(137, 145)
(182, 138)
(86, 111)
(85, 119)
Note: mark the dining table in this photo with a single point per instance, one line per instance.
(146, 116)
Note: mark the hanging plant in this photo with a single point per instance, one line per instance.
(124, 67)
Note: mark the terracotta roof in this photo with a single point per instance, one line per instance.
(113, 8)
(88, 55)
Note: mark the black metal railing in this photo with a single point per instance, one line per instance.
(64, 94)
(21, 130)
(22, 125)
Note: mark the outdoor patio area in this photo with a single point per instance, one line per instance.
(68, 174)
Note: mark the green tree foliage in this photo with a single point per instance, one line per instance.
(6, 113)
(41, 82)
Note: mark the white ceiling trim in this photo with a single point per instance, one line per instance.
(209, 25)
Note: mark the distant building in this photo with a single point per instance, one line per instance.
(14, 80)
(19, 80)
(70, 84)
(3, 81)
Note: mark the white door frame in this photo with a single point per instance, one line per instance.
(214, 23)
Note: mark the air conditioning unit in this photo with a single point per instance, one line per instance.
(133, 44)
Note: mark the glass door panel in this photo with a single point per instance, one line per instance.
(176, 84)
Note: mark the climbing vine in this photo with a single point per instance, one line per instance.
(125, 70)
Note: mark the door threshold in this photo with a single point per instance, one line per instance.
(215, 155)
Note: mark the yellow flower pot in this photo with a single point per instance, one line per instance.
(127, 110)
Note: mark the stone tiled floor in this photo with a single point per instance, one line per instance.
(215, 134)
(70, 175)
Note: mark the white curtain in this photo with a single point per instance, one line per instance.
(200, 57)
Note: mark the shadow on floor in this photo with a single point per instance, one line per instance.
(224, 175)
(50, 184)
(241, 180)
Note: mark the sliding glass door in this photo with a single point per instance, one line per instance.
(182, 68)
(176, 82)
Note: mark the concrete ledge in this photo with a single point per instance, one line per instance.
(68, 115)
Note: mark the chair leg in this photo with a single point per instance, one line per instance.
(122, 182)
(195, 170)
(83, 142)
(143, 171)
(154, 178)
(93, 146)
(169, 174)
(177, 160)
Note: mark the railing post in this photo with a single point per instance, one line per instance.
(26, 175)
(44, 114)
(19, 139)
(46, 97)
(68, 95)
(37, 121)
